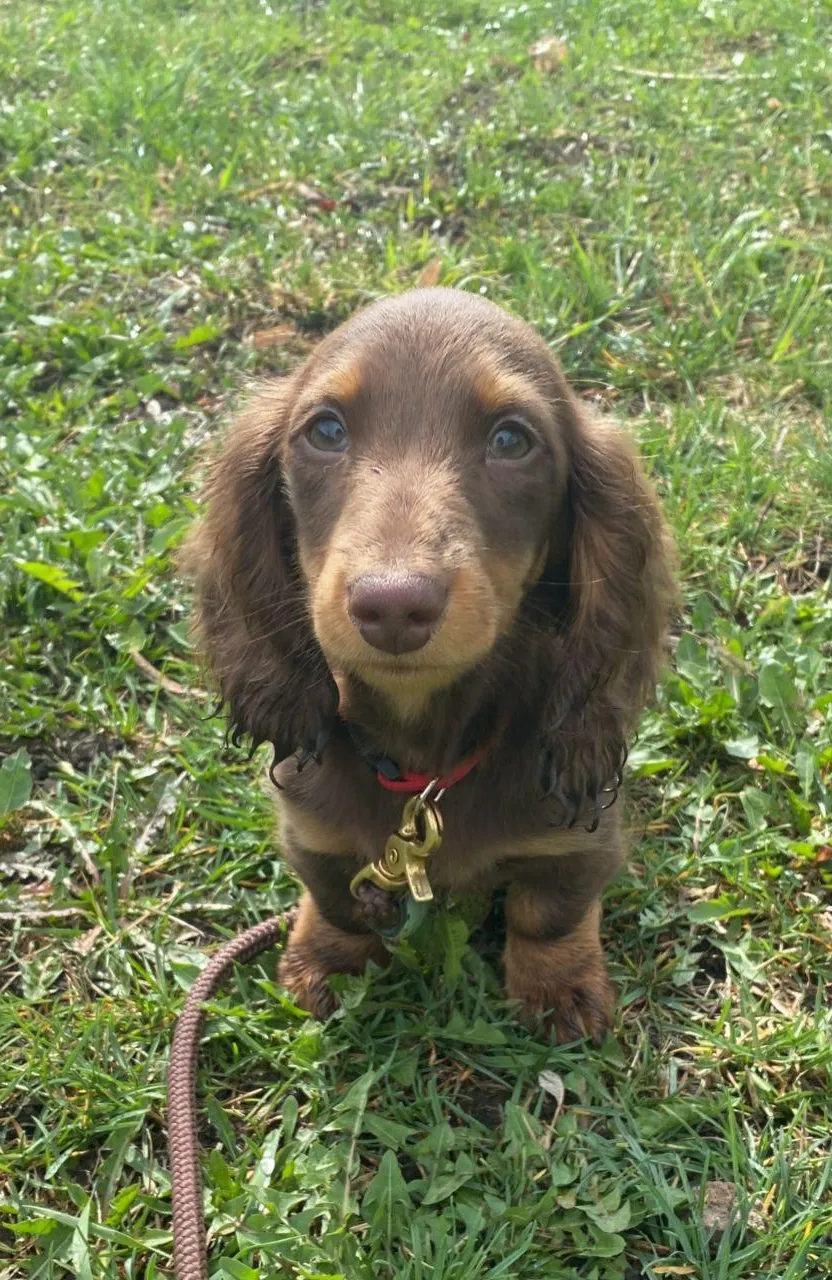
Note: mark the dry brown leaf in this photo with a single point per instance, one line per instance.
(548, 53)
(262, 339)
(670, 1270)
(431, 274)
(311, 196)
(41, 916)
(85, 943)
(267, 189)
(550, 1082)
(164, 682)
(718, 1209)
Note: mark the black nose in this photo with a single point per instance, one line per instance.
(397, 612)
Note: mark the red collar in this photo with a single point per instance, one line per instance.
(412, 782)
(392, 778)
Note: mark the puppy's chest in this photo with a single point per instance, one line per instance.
(345, 812)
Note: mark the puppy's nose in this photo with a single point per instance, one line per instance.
(397, 612)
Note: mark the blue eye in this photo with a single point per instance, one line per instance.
(327, 434)
(508, 442)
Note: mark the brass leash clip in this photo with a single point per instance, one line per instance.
(403, 863)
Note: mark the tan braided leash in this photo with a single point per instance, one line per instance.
(190, 1261)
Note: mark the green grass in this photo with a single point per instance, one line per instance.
(178, 178)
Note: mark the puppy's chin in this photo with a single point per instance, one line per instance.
(408, 681)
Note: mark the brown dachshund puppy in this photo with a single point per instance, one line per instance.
(420, 558)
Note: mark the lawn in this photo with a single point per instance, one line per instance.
(190, 194)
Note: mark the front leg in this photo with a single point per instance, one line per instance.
(330, 934)
(554, 962)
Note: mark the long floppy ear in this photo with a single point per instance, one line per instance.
(612, 636)
(252, 623)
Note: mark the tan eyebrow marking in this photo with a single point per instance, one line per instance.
(341, 382)
(495, 389)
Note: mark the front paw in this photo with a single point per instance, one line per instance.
(570, 1006)
(307, 981)
(316, 950)
(563, 980)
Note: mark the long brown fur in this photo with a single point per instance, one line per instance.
(560, 586)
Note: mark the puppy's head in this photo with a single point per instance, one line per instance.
(389, 510)
(425, 469)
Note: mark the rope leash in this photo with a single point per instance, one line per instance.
(190, 1260)
(398, 873)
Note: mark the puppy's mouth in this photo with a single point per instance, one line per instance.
(406, 665)
(404, 631)
(417, 674)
